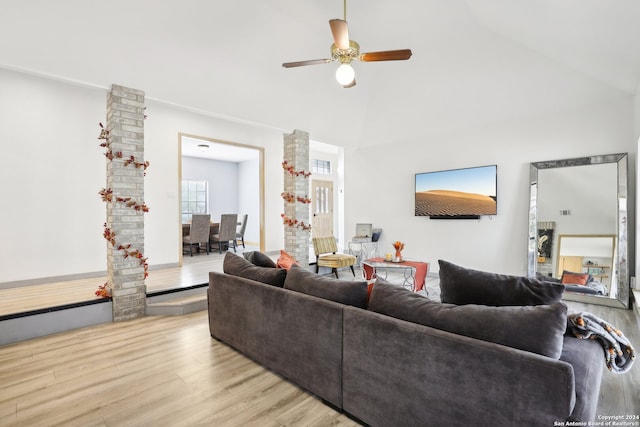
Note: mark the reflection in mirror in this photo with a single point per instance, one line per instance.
(584, 264)
(578, 223)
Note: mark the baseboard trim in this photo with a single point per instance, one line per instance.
(52, 279)
(68, 277)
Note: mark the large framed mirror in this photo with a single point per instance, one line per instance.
(578, 227)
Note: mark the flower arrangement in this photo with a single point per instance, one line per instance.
(398, 246)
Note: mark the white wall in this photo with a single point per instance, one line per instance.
(222, 178)
(164, 123)
(249, 199)
(233, 188)
(379, 182)
(52, 169)
(588, 192)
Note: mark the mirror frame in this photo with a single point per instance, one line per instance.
(621, 264)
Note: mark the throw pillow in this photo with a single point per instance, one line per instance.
(237, 266)
(538, 329)
(259, 259)
(285, 260)
(459, 285)
(589, 277)
(574, 278)
(342, 291)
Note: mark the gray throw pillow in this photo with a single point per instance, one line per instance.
(260, 259)
(342, 291)
(459, 285)
(238, 266)
(538, 329)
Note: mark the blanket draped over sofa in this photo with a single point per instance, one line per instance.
(618, 351)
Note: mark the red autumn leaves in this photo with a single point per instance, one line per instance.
(107, 196)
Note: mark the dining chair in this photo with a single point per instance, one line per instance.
(226, 231)
(243, 227)
(198, 232)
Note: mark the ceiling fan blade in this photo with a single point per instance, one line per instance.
(352, 84)
(340, 33)
(302, 63)
(386, 55)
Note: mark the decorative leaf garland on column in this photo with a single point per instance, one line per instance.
(107, 196)
(292, 198)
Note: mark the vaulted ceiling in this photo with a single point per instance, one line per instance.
(474, 61)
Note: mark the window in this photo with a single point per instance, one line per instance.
(194, 198)
(321, 167)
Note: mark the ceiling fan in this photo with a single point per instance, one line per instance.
(345, 50)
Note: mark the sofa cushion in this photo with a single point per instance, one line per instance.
(459, 285)
(342, 291)
(260, 259)
(285, 260)
(238, 266)
(538, 329)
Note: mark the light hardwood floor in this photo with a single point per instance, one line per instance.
(153, 371)
(27, 298)
(168, 371)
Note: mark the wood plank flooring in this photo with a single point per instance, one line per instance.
(168, 371)
(153, 371)
(27, 298)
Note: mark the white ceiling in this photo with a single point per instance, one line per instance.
(474, 61)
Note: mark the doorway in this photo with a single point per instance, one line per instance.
(247, 161)
(321, 208)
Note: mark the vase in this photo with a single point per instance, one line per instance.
(398, 256)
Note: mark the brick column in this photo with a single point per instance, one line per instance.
(125, 123)
(296, 154)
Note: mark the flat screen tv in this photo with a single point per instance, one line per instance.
(457, 193)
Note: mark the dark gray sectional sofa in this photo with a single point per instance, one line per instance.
(359, 355)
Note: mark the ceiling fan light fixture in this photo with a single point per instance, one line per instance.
(346, 50)
(203, 147)
(345, 74)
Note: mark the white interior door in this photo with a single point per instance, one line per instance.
(321, 208)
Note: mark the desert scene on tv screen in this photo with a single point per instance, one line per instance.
(457, 192)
